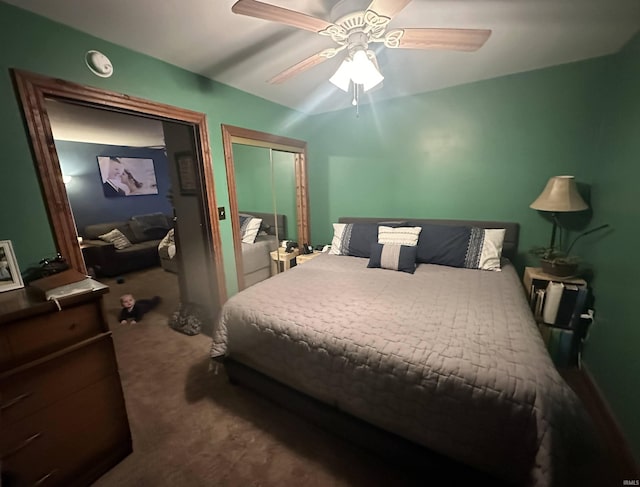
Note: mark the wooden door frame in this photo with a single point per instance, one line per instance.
(239, 135)
(34, 88)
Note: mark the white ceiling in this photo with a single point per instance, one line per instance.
(205, 37)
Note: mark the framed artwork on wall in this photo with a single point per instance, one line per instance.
(127, 176)
(186, 173)
(10, 277)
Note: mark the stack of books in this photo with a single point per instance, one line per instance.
(557, 309)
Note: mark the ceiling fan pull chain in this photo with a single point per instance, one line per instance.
(356, 99)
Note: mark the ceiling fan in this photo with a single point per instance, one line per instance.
(354, 31)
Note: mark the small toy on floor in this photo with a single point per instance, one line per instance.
(134, 310)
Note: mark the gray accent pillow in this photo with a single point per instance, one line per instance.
(393, 257)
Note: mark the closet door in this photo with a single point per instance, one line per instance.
(267, 178)
(266, 189)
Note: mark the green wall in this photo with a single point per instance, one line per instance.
(612, 354)
(479, 151)
(35, 44)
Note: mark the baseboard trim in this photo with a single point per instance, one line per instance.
(609, 427)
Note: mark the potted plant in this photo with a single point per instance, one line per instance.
(556, 262)
(559, 263)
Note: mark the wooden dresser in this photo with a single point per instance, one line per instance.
(63, 419)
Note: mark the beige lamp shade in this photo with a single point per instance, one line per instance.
(560, 194)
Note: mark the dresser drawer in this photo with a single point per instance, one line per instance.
(5, 352)
(43, 334)
(32, 388)
(61, 443)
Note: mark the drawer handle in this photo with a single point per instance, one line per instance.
(22, 445)
(44, 478)
(14, 401)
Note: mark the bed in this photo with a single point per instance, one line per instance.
(256, 261)
(447, 360)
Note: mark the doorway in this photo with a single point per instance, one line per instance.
(34, 91)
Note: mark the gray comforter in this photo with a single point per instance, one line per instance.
(448, 358)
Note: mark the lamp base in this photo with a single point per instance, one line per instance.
(558, 269)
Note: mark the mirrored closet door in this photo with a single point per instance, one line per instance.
(266, 176)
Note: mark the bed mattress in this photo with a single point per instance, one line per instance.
(448, 358)
(256, 256)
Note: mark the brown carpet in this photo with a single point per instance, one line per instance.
(190, 427)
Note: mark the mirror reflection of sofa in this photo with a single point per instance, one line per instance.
(118, 247)
(167, 251)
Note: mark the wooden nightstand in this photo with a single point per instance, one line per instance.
(302, 258)
(532, 274)
(557, 304)
(287, 260)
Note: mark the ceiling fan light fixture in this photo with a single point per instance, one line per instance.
(361, 70)
(342, 77)
(364, 71)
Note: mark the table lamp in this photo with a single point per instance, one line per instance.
(560, 195)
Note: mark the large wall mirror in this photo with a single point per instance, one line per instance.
(267, 181)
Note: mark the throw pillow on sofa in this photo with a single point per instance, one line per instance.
(116, 238)
(153, 226)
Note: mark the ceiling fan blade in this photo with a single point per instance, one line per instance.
(266, 11)
(388, 8)
(296, 69)
(452, 39)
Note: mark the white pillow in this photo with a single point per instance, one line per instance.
(485, 253)
(249, 229)
(399, 235)
(338, 235)
(117, 238)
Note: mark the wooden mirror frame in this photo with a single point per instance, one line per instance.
(239, 135)
(33, 89)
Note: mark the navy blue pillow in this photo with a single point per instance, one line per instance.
(394, 257)
(361, 238)
(443, 244)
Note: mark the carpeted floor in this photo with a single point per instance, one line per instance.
(190, 427)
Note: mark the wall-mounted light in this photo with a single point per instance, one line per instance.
(66, 179)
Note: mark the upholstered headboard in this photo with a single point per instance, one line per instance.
(509, 247)
(271, 220)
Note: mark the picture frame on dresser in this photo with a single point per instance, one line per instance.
(10, 277)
